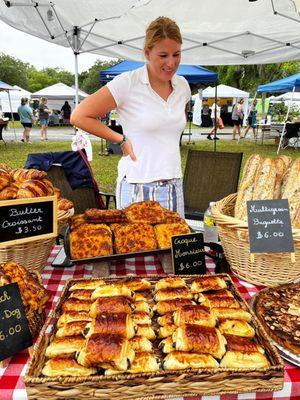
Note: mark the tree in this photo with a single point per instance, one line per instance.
(13, 71)
(90, 80)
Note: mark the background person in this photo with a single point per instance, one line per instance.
(66, 113)
(215, 116)
(237, 118)
(252, 120)
(26, 118)
(44, 113)
(151, 103)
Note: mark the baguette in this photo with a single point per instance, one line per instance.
(280, 171)
(292, 189)
(265, 178)
(288, 163)
(250, 169)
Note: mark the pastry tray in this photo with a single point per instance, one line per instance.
(153, 385)
(285, 353)
(112, 257)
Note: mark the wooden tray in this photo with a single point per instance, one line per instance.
(113, 257)
(158, 385)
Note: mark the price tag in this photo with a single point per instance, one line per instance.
(270, 228)
(25, 220)
(14, 331)
(188, 254)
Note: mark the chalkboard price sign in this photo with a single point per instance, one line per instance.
(188, 254)
(25, 220)
(270, 228)
(14, 331)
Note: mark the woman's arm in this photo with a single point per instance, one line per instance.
(96, 105)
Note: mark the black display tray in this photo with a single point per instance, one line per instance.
(113, 257)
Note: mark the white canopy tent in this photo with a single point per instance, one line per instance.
(57, 94)
(243, 32)
(224, 91)
(11, 104)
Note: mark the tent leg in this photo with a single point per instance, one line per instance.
(12, 116)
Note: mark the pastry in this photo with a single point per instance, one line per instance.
(237, 359)
(116, 324)
(181, 360)
(113, 304)
(146, 331)
(136, 284)
(140, 344)
(164, 233)
(87, 284)
(72, 316)
(170, 283)
(166, 306)
(64, 346)
(74, 328)
(236, 327)
(145, 212)
(105, 216)
(222, 313)
(60, 366)
(172, 294)
(112, 290)
(198, 314)
(207, 283)
(135, 237)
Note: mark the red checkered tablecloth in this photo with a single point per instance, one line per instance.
(54, 279)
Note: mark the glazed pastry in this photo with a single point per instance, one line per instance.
(81, 294)
(106, 351)
(207, 283)
(74, 328)
(113, 290)
(166, 319)
(164, 307)
(166, 330)
(169, 283)
(242, 344)
(217, 293)
(72, 316)
(181, 360)
(141, 318)
(114, 304)
(142, 306)
(198, 314)
(146, 331)
(167, 345)
(199, 339)
(23, 174)
(231, 313)
(64, 204)
(139, 297)
(144, 362)
(9, 192)
(116, 324)
(236, 359)
(140, 343)
(32, 188)
(59, 366)
(222, 301)
(236, 327)
(62, 346)
(136, 284)
(172, 294)
(87, 284)
(76, 305)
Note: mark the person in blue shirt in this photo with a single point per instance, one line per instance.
(27, 119)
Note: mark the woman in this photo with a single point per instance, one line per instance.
(151, 103)
(237, 118)
(215, 116)
(26, 118)
(66, 113)
(252, 120)
(44, 113)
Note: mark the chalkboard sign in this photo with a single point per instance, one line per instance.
(26, 220)
(188, 254)
(270, 228)
(14, 331)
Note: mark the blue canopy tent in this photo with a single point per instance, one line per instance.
(290, 83)
(192, 73)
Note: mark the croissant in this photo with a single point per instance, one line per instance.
(64, 204)
(49, 186)
(5, 179)
(57, 192)
(9, 192)
(5, 168)
(32, 188)
(21, 175)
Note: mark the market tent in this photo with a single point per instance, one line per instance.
(57, 94)
(289, 96)
(6, 88)
(243, 32)
(192, 73)
(15, 99)
(282, 85)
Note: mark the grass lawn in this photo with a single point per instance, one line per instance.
(105, 167)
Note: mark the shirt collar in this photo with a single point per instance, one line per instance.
(145, 77)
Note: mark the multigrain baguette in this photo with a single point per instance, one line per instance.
(250, 169)
(288, 161)
(292, 189)
(280, 171)
(265, 180)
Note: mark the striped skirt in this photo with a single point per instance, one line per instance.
(168, 193)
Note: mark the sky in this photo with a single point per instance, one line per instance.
(40, 53)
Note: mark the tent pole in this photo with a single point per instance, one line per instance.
(76, 78)
(286, 117)
(12, 116)
(215, 124)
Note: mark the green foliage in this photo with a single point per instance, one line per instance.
(279, 111)
(13, 71)
(90, 80)
(48, 76)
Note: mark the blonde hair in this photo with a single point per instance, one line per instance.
(43, 100)
(161, 28)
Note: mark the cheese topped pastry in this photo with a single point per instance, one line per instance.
(135, 237)
(166, 330)
(145, 212)
(164, 233)
(141, 318)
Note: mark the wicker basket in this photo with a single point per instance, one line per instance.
(155, 385)
(268, 269)
(32, 255)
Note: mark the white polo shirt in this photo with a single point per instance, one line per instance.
(152, 124)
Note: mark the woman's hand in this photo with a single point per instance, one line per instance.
(127, 150)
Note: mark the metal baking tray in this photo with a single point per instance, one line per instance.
(284, 353)
(113, 257)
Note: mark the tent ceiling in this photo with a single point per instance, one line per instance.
(236, 32)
